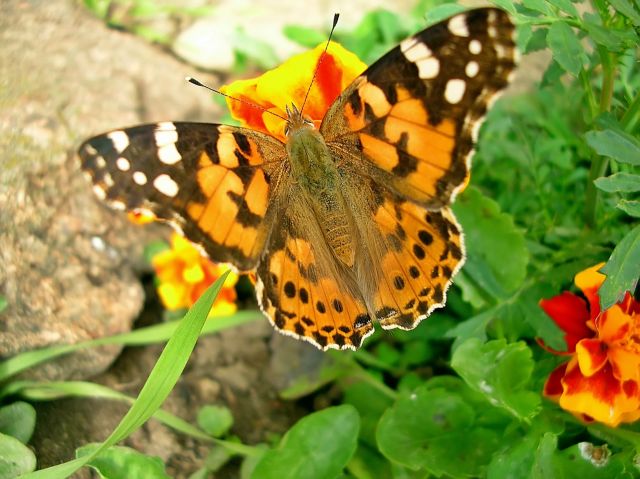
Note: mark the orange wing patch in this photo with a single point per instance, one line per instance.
(306, 298)
(424, 251)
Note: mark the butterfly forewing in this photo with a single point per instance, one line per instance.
(212, 182)
(412, 117)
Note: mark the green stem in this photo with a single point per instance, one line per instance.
(238, 448)
(631, 117)
(609, 73)
(599, 164)
(623, 434)
(591, 98)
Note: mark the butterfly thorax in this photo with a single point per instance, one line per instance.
(314, 171)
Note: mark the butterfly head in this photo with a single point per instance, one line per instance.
(295, 120)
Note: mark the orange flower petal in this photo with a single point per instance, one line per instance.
(589, 281)
(626, 364)
(613, 325)
(600, 396)
(592, 356)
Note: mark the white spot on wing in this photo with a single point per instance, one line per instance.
(100, 163)
(165, 185)
(120, 140)
(417, 52)
(408, 43)
(168, 154)
(140, 178)
(99, 192)
(165, 134)
(458, 26)
(454, 91)
(472, 69)
(428, 68)
(108, 180)
(475, 46)
(123, 164)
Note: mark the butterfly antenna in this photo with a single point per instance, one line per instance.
(335, 22)
(252, 105)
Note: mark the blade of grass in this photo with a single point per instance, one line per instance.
(38, 391)
(161, 380)
(140, 337)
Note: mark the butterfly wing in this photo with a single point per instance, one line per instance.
(212, 182)
(301, 287)
(411, 119)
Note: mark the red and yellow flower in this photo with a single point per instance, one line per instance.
(184, 274)
(601, 380)
(278, 88)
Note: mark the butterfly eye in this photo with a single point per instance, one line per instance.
(308, 121)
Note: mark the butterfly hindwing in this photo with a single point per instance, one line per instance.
(212, 182)
(423, 251)
(412, 117)
(303, 290)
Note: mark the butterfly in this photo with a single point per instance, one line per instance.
(344, 225)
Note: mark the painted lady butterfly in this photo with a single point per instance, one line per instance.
(346, 223)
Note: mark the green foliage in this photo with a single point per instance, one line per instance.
(316, 447)
(215, 420)
(621, 270)
(119, 462)
(18, 419)
(16, 458)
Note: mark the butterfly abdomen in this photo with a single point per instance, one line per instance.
(315, 171)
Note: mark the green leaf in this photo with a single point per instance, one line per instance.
(259, 51)
(566, 48)
(3, 303)
(621, 270)
(119, 462)
(626, 8)
(537, 41)
(619, 183)
(615, 144)
(497, 256)
(612, 39)
(305, 36)
(565, 5)
(215, 420)
(543, 467)
(15, 457)
(435, 429)
(539, 6)
(18, 419)
(632, 208)
(501, 372)
(318, 446)
(159, 384)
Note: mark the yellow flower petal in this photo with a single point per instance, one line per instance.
(193, 274)
(590, 278)
(173, 295)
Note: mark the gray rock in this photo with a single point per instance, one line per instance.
(67, 264)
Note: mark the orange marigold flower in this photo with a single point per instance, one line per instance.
(184, 274)
(601, 381)
(288, 83)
